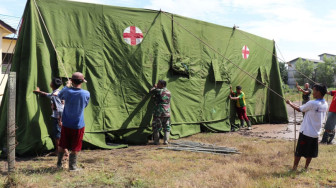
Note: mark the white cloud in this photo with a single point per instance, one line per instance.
(332, 15)
(4, 11)
(190, 8)
(309, 33)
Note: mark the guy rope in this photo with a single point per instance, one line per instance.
(293, 69)
(57, 55)
(213, 49)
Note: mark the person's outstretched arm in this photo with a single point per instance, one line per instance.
(300, 89)
(296, 107)
(232, 93)
(38, 91)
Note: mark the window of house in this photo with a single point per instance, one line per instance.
(6, 58)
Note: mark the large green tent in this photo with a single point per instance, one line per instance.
(122, 53)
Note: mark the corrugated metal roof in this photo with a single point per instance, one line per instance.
(307, 59)
(326, 54)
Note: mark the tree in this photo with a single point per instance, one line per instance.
(324, 74)
(283, 72)
(325, 71)
(304, 69)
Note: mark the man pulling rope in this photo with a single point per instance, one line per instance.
(307, 145)
(305, 93)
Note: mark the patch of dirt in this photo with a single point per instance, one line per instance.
(279, 131)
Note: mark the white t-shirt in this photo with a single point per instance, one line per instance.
(315, 112)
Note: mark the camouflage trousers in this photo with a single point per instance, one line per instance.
(161, 122)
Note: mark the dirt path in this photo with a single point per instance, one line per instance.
(280, 131)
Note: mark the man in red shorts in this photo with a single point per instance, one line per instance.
(239, 96)
(72, 120)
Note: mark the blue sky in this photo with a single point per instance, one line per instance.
(301, 28)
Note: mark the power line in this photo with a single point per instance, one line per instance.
(12, 21)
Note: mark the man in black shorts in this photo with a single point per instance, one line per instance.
(315, 111)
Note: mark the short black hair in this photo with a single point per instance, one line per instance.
(238, 88)
(57, 82)
(321, 88)
(163, 83)
(77, 81)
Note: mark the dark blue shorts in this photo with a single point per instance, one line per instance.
(56, 129)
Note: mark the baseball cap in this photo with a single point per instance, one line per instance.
(78, 76)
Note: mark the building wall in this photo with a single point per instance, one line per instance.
(292, 72)
(327, 55)
(6, 46)
(291, 75)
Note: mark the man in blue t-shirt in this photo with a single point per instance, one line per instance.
(76, 99)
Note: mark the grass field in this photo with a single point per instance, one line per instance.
(262, 163)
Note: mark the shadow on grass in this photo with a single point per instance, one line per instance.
(90, 161)
(41, 170)
(289, 173)
(18, 158)
(14, 179)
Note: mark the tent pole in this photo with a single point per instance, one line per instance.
(268, 106)
(294, 130)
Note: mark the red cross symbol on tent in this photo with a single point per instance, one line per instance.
(132, 35)
(245, 52)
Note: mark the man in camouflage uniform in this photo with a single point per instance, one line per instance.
(161, 113)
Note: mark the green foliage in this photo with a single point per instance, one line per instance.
(291, 93)
(325, 71)
(321, 72)
(283, 72)
(306, 68)
(4, 68)
(325, 74)
(330, 61)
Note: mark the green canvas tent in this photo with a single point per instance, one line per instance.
(122, 52)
